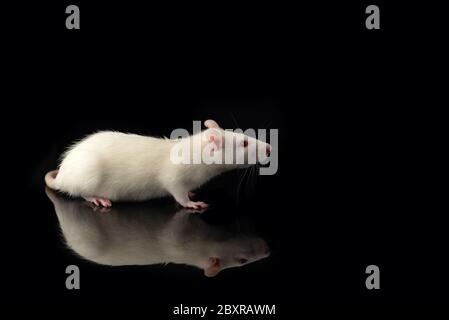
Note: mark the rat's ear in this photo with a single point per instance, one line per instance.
(211, 124)
(215, 138)
(213, 267)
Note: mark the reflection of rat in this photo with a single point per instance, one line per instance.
(152, 234)
(116, 166)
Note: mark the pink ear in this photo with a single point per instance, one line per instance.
(211, 124)
(213, 267)
(215, 138)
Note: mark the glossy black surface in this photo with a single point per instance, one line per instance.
(152, 233)
(359, 180)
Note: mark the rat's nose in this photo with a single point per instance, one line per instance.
(267, 251)
(268, 152)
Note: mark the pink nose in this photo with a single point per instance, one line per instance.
(268, 150)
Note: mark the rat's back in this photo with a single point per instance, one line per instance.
(114, 165)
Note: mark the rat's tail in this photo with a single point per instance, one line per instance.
(50, 179)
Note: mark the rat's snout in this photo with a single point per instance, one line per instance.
(263, 152)
(268, 150)
(266, 250)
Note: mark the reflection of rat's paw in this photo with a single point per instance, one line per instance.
(97, 208)
(101, 209)
(186, 211)
(193, 211)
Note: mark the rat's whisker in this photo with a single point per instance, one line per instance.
(255, 177)
(250, 181)
(242, 177)
(268, 123)
(234, 119)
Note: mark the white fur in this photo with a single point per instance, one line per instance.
(122, 166)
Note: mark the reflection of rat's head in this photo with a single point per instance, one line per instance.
(236, 252)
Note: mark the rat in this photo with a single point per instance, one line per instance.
(113, 166)
(153, 233)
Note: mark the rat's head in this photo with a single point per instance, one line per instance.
(235, 149)
(236, 252)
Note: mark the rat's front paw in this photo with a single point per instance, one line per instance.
(197, 205)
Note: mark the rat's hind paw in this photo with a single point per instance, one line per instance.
(196, 211)
(100, 202)
(197, 205)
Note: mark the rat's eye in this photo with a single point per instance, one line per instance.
(245, 143)
(243, 260)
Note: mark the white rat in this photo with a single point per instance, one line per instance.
(153, 234)
(113, 166)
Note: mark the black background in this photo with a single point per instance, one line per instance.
(353, 185)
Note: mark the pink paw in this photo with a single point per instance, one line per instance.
(197, 205)
(194, 211)
(100, 202)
